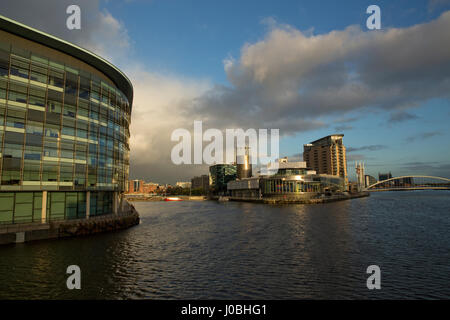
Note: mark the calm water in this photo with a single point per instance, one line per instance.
(230, 250)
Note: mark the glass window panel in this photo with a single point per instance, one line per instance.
(66, 172)
(68, 131)
(51, 130)
(11, 171)
(35, 115)
(14, 138)
(32, 153)
(20, 68)
(49, 171)
(31, 170)
(70, 111)
(37, 206)
(56, 78)
(4, 63)
(23, 208)
(54, 107)
(6, 206)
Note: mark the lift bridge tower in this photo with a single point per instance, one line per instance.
(359, 167)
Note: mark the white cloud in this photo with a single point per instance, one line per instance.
(291, 79)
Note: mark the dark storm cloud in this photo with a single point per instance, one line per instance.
(401, 116)
(422, 136)
(367, 148)
(356, 157)
(343, 128)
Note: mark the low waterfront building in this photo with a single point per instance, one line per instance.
(247, 188)
(292, 180)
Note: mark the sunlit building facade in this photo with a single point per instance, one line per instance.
(327, 155)
(64, 128)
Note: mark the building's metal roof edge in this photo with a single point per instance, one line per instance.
(24, 31)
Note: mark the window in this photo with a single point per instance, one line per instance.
(20, 68)
(51, 130)
(17, 92)
(56, 205)
(36, 97)
(49, 171)
(4, 63)
(66, 173)
(39, 73)
(6, 206)
(56, 78)
(70, 111)
(31, 170)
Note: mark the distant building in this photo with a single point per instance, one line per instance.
(384, 176)
(183, 184)
(201, 182)
(327, 156)
(286, 180)
(220, 175)
(136, 186)
(150, 187)
(361, 181)
(243, 165)
(369, 180)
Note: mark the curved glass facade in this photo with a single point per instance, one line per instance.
(63, 129)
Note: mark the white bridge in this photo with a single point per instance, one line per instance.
(411, 183)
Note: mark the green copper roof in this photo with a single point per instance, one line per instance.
(117, 76)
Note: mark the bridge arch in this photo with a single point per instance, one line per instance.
(409, 183)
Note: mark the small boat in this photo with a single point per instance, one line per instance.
(173, 199)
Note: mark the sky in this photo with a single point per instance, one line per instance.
(307, 68)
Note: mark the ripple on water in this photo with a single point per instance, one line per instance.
(194, 250)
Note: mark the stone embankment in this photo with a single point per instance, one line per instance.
(18, 233)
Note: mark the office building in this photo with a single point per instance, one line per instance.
(327, 156)
(219, 176)
(243, 165)
(201, 182)
(384, 176)
(64, 128)
(136, 186)
(369, 180)
(183, 184)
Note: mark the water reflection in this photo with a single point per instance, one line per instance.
(245, 250)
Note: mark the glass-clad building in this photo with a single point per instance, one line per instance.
(64, 128)
(220, 175)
